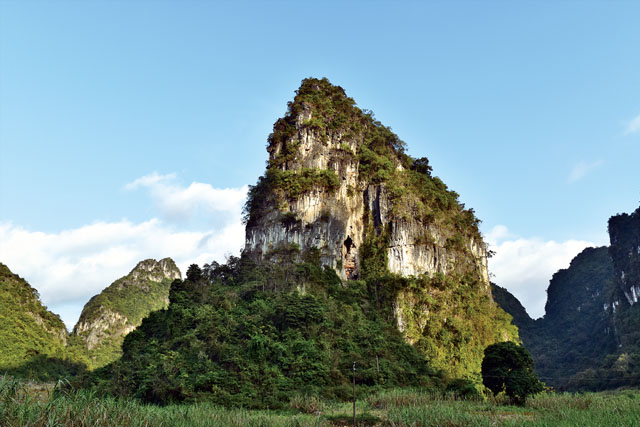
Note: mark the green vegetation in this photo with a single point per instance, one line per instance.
(381, 159)
(295, 183)
(624, 231)
(512, 305)
(110, 314)
(31, 405)
(252, 336)
(449, 319)
(588, 338)
(576, 332)
(508, 368)
(284, 185)
(620, 366)
(132, 300)
(33, 339)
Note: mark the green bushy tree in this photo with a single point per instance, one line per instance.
(509, 367)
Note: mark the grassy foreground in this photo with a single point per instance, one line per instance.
(23, 404)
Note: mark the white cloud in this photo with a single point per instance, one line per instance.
(581, 169)
(498, 233)
(633, 126)
(70, 266)
(525, 265)
(150, 180)
(178, 203)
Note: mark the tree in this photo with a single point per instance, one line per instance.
(422, 165)
(508, 367)
(194, 273)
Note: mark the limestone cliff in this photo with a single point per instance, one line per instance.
(354, 178)
(109, 316)
(624, 307)
(340, 183)
(624, 233)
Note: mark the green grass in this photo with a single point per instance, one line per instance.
(28, 404)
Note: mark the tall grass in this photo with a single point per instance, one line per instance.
(25, 404)
(407, 408)
(83, 408)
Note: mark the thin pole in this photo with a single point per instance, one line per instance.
(354, 394)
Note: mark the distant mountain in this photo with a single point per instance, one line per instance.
(512, 305)
(28, 331)
(576, 332)
(109, 316)
(589, 338)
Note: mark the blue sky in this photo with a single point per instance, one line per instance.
(130, 130)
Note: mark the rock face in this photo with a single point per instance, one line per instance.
(27, 328)
(624, 233)
(341, 205)
(339, 184)
(109, 316)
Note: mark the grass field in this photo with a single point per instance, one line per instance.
(27, 404)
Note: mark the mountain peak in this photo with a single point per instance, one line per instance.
(340, 187)
(156, 271)
(109, 316)
(338, 178)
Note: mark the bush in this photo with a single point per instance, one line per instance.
(461, 388)
(508, 368)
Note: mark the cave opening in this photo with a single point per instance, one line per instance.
(348, 244)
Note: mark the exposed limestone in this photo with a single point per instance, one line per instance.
(108, 317)
(335, 221)
(106, 324)
(372, 209)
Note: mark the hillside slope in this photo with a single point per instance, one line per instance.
(341, 183)
(588, 338)
(28, 331)
(109, 316)
(354, 252)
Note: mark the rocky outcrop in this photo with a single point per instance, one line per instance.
(105, 323)
(623, 306)
(151, 270)
(337, 219)
(624, 233)
(109, 316)
(339, 184)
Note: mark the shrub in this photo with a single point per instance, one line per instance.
(508, 367)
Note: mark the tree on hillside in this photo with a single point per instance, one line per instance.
(194, 273)
(508, 367)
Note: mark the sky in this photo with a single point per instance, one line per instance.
(131, 129)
